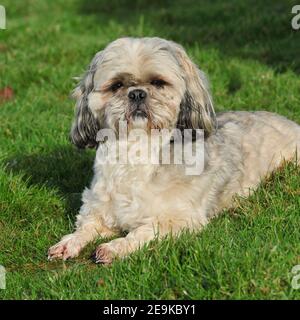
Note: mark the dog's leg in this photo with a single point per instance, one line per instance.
(91, 223)
(88, 228)
(122, 247)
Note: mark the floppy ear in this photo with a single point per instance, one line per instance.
(196, 108)
(85, 126)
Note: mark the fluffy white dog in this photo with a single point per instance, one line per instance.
(152, 84)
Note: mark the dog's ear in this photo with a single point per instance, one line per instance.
(196, 109)
(85, 125)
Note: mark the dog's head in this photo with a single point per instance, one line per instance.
(149, 82)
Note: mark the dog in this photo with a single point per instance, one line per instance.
(151, 83)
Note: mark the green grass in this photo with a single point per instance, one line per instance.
(252, 57)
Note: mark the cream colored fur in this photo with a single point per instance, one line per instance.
(149, 201)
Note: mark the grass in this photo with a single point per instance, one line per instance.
(252, 57)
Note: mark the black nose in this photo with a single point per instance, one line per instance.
(137, 95)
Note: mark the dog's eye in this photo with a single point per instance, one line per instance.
(116, 86)
(158, 83)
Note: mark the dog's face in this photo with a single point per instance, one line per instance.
(148, 82)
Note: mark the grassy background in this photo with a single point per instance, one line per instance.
(253, 59)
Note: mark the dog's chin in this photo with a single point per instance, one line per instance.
(139, 121)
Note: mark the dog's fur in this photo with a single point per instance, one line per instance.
(149, 201)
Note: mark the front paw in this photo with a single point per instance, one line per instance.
(68, 247)
(103, 255)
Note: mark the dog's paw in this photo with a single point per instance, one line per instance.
(103, 255)
(68, 247)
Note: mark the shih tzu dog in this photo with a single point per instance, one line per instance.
(151, 83)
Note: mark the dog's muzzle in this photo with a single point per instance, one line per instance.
(137, 98)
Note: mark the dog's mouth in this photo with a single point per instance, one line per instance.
(137, 112)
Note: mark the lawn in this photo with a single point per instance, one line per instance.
(252, 57)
